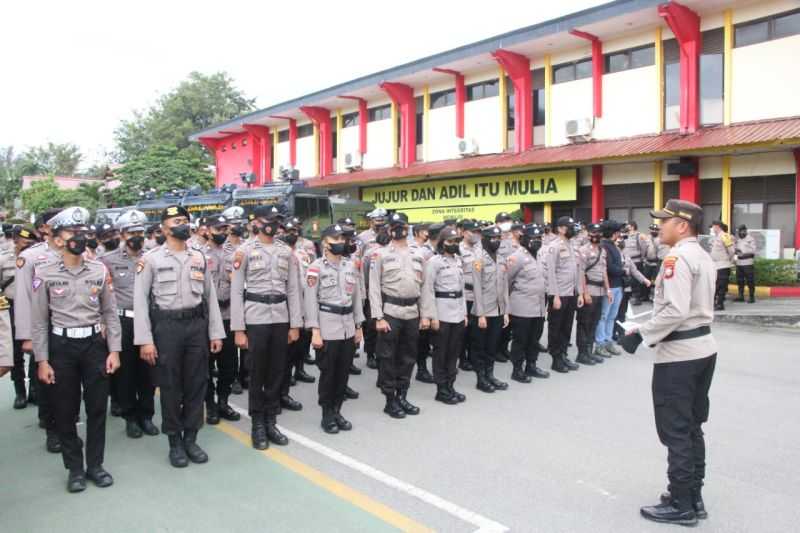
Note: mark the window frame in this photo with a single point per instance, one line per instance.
(483, 85)
(628, 53)
(381, 112)
(440, 99)
(770, 22)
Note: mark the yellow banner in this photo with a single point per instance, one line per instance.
(525, 187)
(479, 212)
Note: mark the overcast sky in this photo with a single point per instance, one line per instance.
(71, 70)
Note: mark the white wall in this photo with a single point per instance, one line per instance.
(762, 8)
(379, 145)
(482, 123)
(539, 135)
(441, 138)
(765, 80)
(630, 104)
(767, 164)
(281, 157)
(570, 100)
(306, 156)
(347, 142)
(628, 173)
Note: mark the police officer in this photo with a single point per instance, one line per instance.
(635, 248)
(92, 244)
(527, 305)
(722, 252)
(508, 245)
(745, 271)
(564, 283)
(444, 313)
(220, 266)
(266, 317)
(489, 313)
(396, 277)
(72, 301)
(133, 382)
(469, 249)
(595, 287)
(155, 237)
(302, 243)
(334, 314)
(176, 322)
(656, 252)
(236, 235)
(685, 357)
(421, 247)
(366, 245)
(108, 237)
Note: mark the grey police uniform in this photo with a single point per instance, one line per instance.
(635, 249)
(563, 280)
(722, 252)
(745, 269)
(527, 306)
(594, 266)
(490, 281)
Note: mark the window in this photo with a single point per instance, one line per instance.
(334, 141)
(511, 105)
(419, 118)
(575, 70)
(749, 214)
(781, 216)
(383, 112)
(767, 29)
(443, 98)
(283, 136)
(350, 119)
(484, 89)
(672, 75)
(642, 56)
(583, 69)
(711, 77)
(306, 130)
(538, 107)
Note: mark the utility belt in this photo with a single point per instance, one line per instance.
(700, 331)
(402, 302)
(595, 283)
(265, 298)
(5, 303)
(449, 294)
(652, 262)
(469, 286)
(178, 314)
(77, 333)
(746, 256)
(223, 304)
(127, 313)
(336, 309)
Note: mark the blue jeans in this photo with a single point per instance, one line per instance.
(605, 328)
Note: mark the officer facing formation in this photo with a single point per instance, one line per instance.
(593, 264)
(722, 252)
(563, 287)
(745, 250)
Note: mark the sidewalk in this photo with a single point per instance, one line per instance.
(769, 312)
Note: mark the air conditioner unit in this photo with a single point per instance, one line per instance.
(288, 173)
(353, 161)
(467, 147)
(579, 129)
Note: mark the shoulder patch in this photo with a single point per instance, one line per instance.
(510, 261)
(20, 262)
(477, 266)
(237, 259)
(139, 266)
(669, 266)
(36, 283)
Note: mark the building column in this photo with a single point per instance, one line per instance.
(547, 212)
(402, 97)
(321, 117)
(659, 53)
(518, 68)
(261, 139)
(461, 98)
(212, 145)
(548, 101)
(685, 24)
(426, 111)
(727, 92)
(338, 154)
(502, 93)
(275, 169)
(726, 189)
(797, 199)
(598, 200)
(690, 185)
(658, 185)
(597, 70)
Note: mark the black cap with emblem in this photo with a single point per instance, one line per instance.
(398, 219)
(217, 221)
(470, 225)
(565, 221)
(334, 230)
(172, 211)
(268, 212)
(492, 231)
(675, 208)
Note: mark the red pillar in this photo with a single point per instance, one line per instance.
(598, 198)
(262, 156)
(292, 139)
(322, 118)
(685, 24)
(597, 70)
(518, 68)
(797, 199)
(363, 118)
(527, 214)
(690, 185)
(461, 98)
(403, 97)
(212, 145)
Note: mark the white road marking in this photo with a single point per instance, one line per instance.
(640, 314)
(484, 525)
(596, 488)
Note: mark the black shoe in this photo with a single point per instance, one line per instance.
(52, 442)
(460, 397)
(148, 428)
(193, 451)
(422, 373)
(445, 395)
(328, 423)
(116, 410)
(258, 435)
(20, 402)
(290, 403)
(483, 384)
(393, 408)
(132, 429)
(350, 394)
(405, 405)
(519, 375)
(274, 434)
(559, 365)
(341, 421)
(304, 377)
(466, 366)
(670, 513)
(212, 414)
(697, 503)
(569, 364)
(309, 359)
(177, 452)
(584, 360)
(33, 396)
(718, 307)
(740, 299)
(751, 300)
(227, 412)
(76, 482)
(535, 372)
(496, 383)
(99, 476)
(372, 362)
(354, 370)
(236, 388)
(501, 357)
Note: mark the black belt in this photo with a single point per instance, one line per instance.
(469, 286)
(595, 283)
(451, 294)
(177, 314)
(403, 302)
(687, 334)
(224, 303)
(652, 262)
(336, 309)
(265, 298)
(746, 256)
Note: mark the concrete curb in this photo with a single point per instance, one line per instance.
(788, 322)
(769, 292)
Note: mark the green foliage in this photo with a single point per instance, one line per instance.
(51, 160)
(773, 273)
(162, 168)
(44, 194)
(197, 103)
(10, 176)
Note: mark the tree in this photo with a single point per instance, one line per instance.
(10, 176)
(51, 160)
(162, 168)
(45, 194)
(197, 103)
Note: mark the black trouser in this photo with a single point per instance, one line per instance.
(241, 366)
(651, 272)
(526, 332)
(744, 273)
(370, 333)
(423, 346)
(504, 340)
(181, 372)
(465, 345)
(559, 324)
(484, 342)
(621, 312)
(588, 317)
(723, 275)
(637, 288)
(79, 364)
(334, 360)
(296, 354)
(134, 380)
(447, 342)
(226, 365)
(680, 402)
(18, 371)
(396, 351)
(267, 353)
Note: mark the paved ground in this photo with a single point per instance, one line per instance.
(573, 453)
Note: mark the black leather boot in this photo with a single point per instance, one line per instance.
(558, 365)
(444, 395)
(678, 510)
(133, 429)
(460, 397)
(483, 385)
(583, 357)
(76, 481)
(33, 392)
(372, 362)
(273, 433)
(534, 371)
(496, 383)
(392, 407)
(350, 394)
(177, 452)
(212, 413)
(465, 365)
(116, 410)
(302, 376)
(328, 423)
(193, 451)
(148, 427)
(697, 502)
(236, 387)
(407, 407)
(519, 374)
(354, 370)
(21, 399)
(52, 442)
(567, 362)
(287, 402)
(341, 421)
(258, 434)
(422, 371)
(227, 412)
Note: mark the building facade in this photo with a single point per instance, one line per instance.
(603, 113)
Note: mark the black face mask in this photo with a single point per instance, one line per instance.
(111, 244)
(181, 232)
(289, 238)
(378, 227)
(269, 229)
(742, 234)
(594, 239)
(570, 232)
(337, 248)
(237, 231)
(492, 246)
(161, 239)
(382, 238)
(621, 245)
(451, 248)
(77, 245)
(351, 248)
(135, 243)
(219, 238)
(654, 234)
(399, 233)
(91, 243)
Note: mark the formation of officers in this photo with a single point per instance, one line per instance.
(202, 310)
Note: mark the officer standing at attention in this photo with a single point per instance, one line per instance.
(596, 287)
(656, 252)
(366, 244)
(635, 248)
(237, 220)
(469, 249)
(266, 317)
(722, 252)
(334, 314)
(564, 283)
(686, 353)
(302, 242)
(177, 321)
(396, 276)
(444, 313)
(421, 247)
(134, 381)
(71, 301)
(527, 305)
(745, 271)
